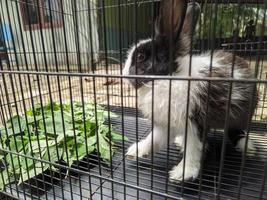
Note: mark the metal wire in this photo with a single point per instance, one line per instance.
(67, 51)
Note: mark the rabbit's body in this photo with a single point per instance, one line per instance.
(173, 109)
(218, 93)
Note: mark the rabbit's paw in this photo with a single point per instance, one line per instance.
(191, 171)
(142, 150)
(178, 141)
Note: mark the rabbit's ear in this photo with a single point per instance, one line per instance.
(191, 18)
(170, 20)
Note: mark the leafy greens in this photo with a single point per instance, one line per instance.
(52, 133)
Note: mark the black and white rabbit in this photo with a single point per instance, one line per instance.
(140, 59)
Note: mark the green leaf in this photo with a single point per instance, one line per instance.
(17, 144)
(32, 120)
(19, 124)
(26, 163)
(70, 133)
(116, 136)
(12, 159)
(104, 149)
(82, 151)
(91, 140)
(54, 126)
(42, 134)
(3, 179)
(36, 144)
(26, 175)
(54, 152)
(65, 153)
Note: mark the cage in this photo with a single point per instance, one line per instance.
(68, 114)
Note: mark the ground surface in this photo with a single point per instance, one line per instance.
(148, 174)
(19, 92)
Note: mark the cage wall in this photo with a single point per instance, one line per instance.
(73, 53)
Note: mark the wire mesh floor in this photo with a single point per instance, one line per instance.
(153, 175)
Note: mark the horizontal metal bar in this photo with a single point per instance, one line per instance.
(93, 175)
(185, 78)
(9, 195)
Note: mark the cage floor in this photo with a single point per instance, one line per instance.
(145, 175)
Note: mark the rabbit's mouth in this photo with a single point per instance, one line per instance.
(138, 83)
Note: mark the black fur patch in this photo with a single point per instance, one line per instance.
(216, 95)
(156, 62)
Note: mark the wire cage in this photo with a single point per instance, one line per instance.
(69, 114)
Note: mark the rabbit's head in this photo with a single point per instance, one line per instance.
(173, 29)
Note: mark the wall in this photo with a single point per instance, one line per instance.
(53, 49)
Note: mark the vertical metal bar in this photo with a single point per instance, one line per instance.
(40, 98)
(264, 99)
(260, 76)
(168, 136)
(50, 92)
(171, 64)
(29, 82)
(108, 99)
(188, 101)
(42, 7)
(263, 181)
(90, 34)
(11, 155)
(250, 112)
(85, 135)
(77, 42)
(60, 96)
(206, 128)
(12, 86)
(8, 102)
(96, 121)
(226, 125)
(136, 96)
(186, 133)
(92, 68)
(121, 99)
(152, 105)
(16, 147)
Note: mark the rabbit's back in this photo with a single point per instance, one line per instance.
(240, 97)
(215, 93)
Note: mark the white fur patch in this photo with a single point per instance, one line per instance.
(145, 145)
(198, 63)
(178, 141)
(241, 144)
(191, 171)
(192, 158)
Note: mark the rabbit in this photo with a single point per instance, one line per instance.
(170, 112)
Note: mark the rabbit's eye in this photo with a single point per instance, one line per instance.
(140, 57)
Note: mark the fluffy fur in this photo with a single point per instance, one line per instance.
(200, 93)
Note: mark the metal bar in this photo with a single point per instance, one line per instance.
(136, 94)
(77, 43)
(121, 99)
(97, 176)
(250, 113)
(188, 78)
